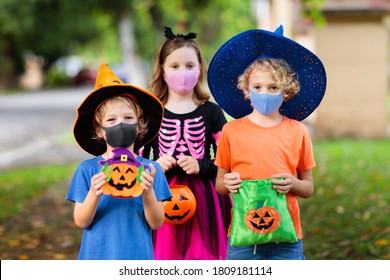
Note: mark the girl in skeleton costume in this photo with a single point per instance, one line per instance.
(188, 135)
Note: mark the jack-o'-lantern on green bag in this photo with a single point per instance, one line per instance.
(260, 215)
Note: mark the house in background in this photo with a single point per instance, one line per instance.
(354, 47)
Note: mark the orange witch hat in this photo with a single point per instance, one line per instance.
(109, 85)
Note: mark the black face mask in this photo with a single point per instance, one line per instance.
(121, 135)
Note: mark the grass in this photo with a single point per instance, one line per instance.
(346, 218)
(18, 186)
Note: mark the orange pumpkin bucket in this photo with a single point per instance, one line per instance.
(181, 206)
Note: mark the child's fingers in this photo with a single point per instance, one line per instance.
(152, 170)
(147, 177)
(166, 162)
(98, 181)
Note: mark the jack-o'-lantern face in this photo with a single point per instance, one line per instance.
(181, 206)
(263, 220)
(122, 181)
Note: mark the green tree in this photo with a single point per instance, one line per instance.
(45, 27)
(312, 9)
(128, 30)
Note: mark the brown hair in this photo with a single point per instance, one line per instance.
(285, 77)
(132, 103)
(159, 87)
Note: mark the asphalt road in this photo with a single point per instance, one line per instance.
(36, 127)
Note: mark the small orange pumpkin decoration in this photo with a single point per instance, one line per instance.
(123, 172)
(181, 206)
(263, 220)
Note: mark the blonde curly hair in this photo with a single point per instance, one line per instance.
(285, 77)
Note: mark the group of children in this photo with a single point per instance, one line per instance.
(265, 81)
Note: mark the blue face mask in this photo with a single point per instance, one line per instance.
(266, 104)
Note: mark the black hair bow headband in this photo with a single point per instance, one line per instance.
(170, 35)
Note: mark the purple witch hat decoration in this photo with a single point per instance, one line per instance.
(123, 172)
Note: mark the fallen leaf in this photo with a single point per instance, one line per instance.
(23, 257)
(381, 242)
(13, 243)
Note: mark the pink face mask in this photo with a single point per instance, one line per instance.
(181, 81)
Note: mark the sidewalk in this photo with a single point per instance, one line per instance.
(38, 127)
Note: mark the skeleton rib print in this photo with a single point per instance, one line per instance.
(188, 138)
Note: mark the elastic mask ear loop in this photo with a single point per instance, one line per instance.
(254, 249)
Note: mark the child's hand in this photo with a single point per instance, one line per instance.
(283, 183)
(232, 181)
(189, 164)
(166, 162)
(147, 178)
(97, 182)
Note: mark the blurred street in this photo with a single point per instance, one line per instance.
(37, 126)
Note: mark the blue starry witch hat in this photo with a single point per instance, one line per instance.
(235, 55)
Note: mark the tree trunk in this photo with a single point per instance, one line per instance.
(132, 63)
(7, 76)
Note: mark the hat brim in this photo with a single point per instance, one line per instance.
(83, 129)
(234, 56)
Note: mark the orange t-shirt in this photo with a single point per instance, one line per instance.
(257, 153)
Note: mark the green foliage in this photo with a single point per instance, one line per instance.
(346, 218)
(229, 17)
(46, 28)
(313, 11)
(19, 186)
(105, 46)
(57, 78)
(213, 21)
(89, 28)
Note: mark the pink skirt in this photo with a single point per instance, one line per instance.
(204, 236)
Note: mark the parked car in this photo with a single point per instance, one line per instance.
(86, 76)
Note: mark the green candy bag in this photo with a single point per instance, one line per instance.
(260, 215)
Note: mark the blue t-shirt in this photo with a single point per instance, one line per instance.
(119, 229)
